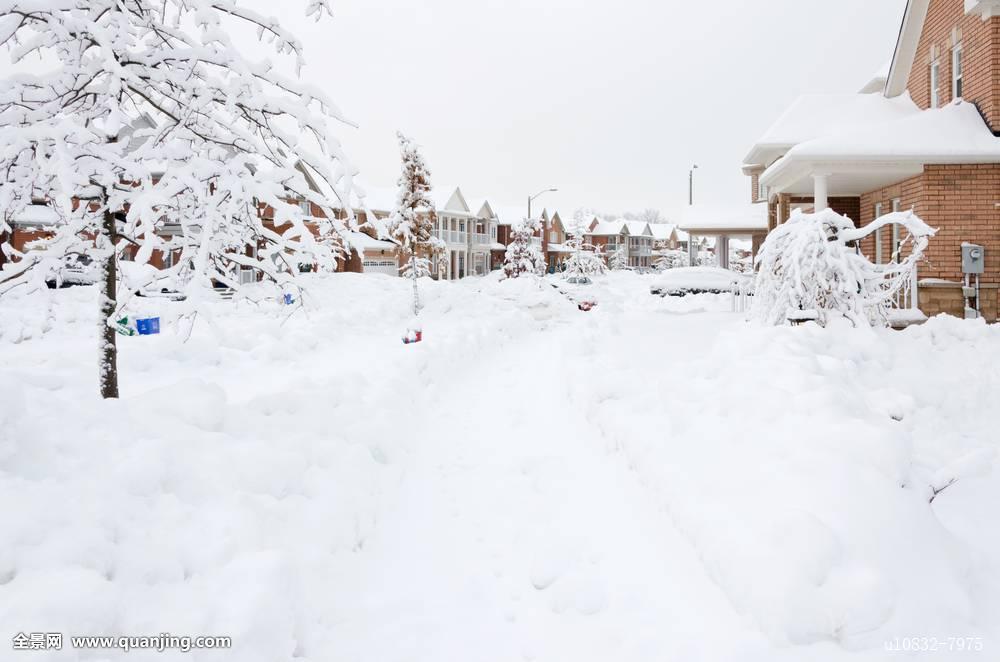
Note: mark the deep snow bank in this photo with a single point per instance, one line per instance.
(263, 480)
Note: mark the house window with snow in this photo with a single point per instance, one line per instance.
(761, 191)
(305, 207)
(956, 71)
(878, 235)
(895, 232)
(935, 84)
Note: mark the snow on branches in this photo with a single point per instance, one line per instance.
(618, 258)
(523, 256)
(412, 222)
(585, 259)
(152, 133)
(810, 267)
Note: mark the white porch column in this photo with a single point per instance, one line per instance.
(722, 251)
(692, 251)
(821, 189)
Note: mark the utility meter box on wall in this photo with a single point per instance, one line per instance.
(973, 258)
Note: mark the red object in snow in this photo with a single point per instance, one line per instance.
(586, 305)
(413, 337)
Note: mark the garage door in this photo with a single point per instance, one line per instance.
(388, 267)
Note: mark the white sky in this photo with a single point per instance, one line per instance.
(611, 102)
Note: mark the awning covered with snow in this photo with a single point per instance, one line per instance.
(718, 219)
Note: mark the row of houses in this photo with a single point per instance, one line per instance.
(476, 235)
(922, 135)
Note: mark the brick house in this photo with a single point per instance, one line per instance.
(634, 237)
(927, 140)
(554, 248)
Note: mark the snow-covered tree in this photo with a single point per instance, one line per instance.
(148, 116)
(618, 258)
(412, 222)
(584, 260)
(523, 256)
(648, 215)
(810, 264)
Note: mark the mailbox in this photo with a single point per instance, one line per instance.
(973, 258)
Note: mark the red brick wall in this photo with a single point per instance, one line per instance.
(960, 202)
(980, 58)
(911, 196)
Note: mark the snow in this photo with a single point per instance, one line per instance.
(708, 217)
(650, 480)
(697, 279)
(954, 133)
(817, 115)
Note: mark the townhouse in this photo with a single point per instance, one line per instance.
(923, 136)
(634, 238)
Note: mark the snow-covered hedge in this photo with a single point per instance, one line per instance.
(810, 267)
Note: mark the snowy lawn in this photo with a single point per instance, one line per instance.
(651, 480)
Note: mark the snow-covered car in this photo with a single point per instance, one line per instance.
(698, 280)
(161, 293)
(76, 269)
(579, 280)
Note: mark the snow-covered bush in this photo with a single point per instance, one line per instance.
(585, 260)
(671, 259)
(618, 259)
(523, 256)
(810, 267)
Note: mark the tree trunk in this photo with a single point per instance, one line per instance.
(107, 305)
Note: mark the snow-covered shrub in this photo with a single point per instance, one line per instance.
(523, 256)
(586, 260)
(618, 259)
(810, 266)
(671, 259)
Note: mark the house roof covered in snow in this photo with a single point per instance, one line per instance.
(815, 115)
(724, 219)
(896, 148)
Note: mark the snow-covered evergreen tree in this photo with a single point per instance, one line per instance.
(671, 259)
(149, 116)
(412, 222)
(523, 256)
(618, 259)
(810, 264)
(584, 260)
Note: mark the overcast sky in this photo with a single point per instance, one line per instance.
(609, 101)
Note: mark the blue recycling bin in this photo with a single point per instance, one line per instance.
(289, 299)
(148, 326)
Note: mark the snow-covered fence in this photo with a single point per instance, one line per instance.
(810, 264)
(742, 289)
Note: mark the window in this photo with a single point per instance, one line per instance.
(956, 71)
(761, 191)
(895, 233)
(878, 235)
(935, 84)
(305, 207)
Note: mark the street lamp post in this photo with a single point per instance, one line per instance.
(531, 198)
(691, 185)
(545, 230)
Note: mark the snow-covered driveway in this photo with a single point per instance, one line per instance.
(652, 480)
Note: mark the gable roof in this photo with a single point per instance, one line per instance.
(906, 46)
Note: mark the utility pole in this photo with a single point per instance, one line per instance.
(691, 185)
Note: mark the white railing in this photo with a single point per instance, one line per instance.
(480, 238)
(537, 241)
